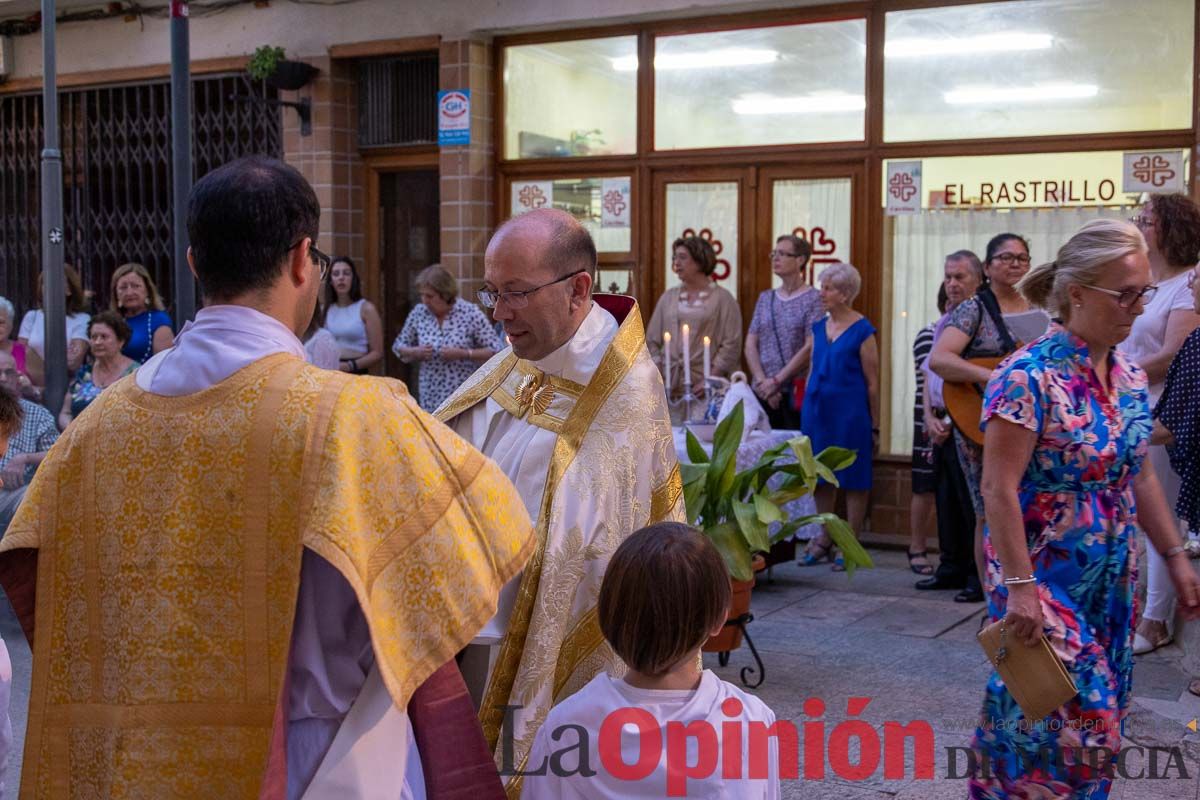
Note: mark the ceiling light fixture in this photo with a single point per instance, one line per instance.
(967, 45)
(807, 104)
(996, 95)
(732, 57)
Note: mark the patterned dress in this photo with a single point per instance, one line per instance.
(1080, 522)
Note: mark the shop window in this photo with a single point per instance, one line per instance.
(602, 205)
(965, 202)
(788, 84)
(1036, 68)
(576, 98)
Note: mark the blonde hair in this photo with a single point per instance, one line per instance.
(154, 301)
(844, 277)
(437, 279)
(1080, 261)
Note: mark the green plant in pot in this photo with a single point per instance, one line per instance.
(735, 509)
(270, 64)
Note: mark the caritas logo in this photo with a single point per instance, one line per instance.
(454, 104)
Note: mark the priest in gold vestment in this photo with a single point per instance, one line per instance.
(575, 414)
(249, 577)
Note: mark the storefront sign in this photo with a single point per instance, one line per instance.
(1153, 171)
(454, 117)
(1033, 192)
(903, 187)
(528, 195)
(614, 203)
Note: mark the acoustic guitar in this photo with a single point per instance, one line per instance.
(964, 401)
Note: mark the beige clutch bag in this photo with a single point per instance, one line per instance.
(1036, 678)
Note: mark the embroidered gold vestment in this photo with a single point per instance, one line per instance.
(169, 533)
(612, 471)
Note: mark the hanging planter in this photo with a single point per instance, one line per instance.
(271, 65)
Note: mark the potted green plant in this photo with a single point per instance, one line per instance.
(736, 509)
(270, 64)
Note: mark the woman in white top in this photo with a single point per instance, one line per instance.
(1171, 225)
(33, 328)
(353, 320)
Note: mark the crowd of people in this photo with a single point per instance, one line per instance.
(423, 567)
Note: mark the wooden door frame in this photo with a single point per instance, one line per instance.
(421, 159)
(746, 177)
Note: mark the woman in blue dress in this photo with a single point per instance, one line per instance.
(1065, 487)
(136, 298)
(841, 404)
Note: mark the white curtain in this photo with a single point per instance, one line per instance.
(700, 206)
(821, 207)
(919, 246)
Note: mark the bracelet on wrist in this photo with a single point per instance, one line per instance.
(1174, 551)
(1016, 581)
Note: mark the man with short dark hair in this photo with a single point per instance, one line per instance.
(247, 566)
(26, 447)
(575, 413)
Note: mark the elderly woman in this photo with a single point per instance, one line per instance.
(32, 335)
(707, 309)
(352, 319)
(14, 348)
(1171, 225)
(841, 403)
(1066, 485)
(777, 348)
(134, 296)
(108, 333)
(448, 336)
(991, 324)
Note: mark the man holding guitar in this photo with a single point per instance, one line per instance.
(980, 333)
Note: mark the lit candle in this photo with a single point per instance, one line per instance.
(687, 358)
(667, 362)
(707, 360)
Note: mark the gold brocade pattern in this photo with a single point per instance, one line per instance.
(170, 533)
(615, 450)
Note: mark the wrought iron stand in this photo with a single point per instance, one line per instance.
(723, 657)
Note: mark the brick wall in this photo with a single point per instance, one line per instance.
(329, 157)
(468, 173)
(891, 498)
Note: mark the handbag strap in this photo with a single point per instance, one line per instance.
(775, 328)
(991, 305)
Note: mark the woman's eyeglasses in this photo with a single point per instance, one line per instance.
(1008, 259)
(1127, 298)
(1142, 221)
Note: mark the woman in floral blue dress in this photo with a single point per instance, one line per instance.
(1066, 485)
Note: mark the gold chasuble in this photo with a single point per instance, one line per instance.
(611, 470)
(169, 533)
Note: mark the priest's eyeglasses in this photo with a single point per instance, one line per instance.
(489, 299)
(1128, 297)
(323, 261)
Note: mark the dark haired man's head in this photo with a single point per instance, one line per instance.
(251, 223)
(530, 254)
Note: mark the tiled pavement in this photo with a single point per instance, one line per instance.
(915, 656)
(912, 653)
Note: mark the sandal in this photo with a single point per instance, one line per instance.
(815, 553)
(839, 564)
(919, 569)
(1194, 687)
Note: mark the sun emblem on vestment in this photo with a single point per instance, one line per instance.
(534, 394)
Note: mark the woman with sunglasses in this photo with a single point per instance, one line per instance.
(353, 320)
(991, 324)
(1067, 485)
(1171, 225)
